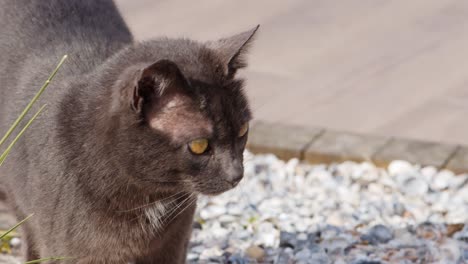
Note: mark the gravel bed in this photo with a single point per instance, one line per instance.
(287, 212)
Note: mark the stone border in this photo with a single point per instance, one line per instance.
(317, 145)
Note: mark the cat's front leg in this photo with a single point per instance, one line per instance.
(172, 248)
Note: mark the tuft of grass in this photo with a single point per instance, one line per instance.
(6, 236)
(8, 149)
(25, 111)
(15, 226)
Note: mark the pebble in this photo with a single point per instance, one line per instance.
(285, 256)
(428, 173)
(400, 167)
(303, 256)
(210, 252)
(462, 235)
(378, 234)
(441, 180)
(192, 256)
(335, 219)
(288, 239)
(335, 245)
(255, 252)
(318, 257)
(212, 211)
(414, 187)
(15, 242)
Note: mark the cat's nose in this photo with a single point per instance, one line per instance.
(235, 179)
(235, 173)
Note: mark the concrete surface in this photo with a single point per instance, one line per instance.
(384, 67)
(324, 146)
(335, 146)
(284, 141)
(416, 152)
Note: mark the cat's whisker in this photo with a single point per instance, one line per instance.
(152, 203)
(156, 218)
(159, 221)
(169, 216)
(178, 206)
(169, 197)
(185, 208)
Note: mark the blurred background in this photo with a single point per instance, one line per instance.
(394, 68)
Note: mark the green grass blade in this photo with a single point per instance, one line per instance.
(14, 227)
(47, 259)
(10, 235)
(31, 103)
(5, 153)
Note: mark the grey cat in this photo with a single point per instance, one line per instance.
(132, 132)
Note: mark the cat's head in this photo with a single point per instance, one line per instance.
(180, 115)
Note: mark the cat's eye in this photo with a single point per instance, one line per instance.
(243, 130)
(198, 146)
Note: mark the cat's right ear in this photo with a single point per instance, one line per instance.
(154, 81)
(232, 50)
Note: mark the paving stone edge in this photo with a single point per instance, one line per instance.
(319, 145)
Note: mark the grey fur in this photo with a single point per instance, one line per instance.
(91, 167)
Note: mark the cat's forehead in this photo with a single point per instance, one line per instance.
(179, 118)
(184, 118)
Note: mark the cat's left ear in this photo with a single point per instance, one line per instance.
(157, 81)
(232, 50)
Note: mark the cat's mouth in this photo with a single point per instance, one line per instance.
(215, 188)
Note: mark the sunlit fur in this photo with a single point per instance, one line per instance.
(106, 168)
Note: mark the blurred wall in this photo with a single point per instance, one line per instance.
(384, 67)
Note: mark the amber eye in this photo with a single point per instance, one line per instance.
(243, 130)
(198, 146)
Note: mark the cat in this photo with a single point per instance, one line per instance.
(132, 133)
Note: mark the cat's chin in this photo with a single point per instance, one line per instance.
(216, 190)
(213, 193)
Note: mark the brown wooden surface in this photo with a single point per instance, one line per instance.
(385, 67)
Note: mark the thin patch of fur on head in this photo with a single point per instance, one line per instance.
(180, 119)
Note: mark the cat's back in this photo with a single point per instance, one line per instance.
(34, 35)
(40, 24)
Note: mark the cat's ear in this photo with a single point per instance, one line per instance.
(232, 50)
(155, 81)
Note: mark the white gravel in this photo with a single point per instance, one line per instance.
(287, 212)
